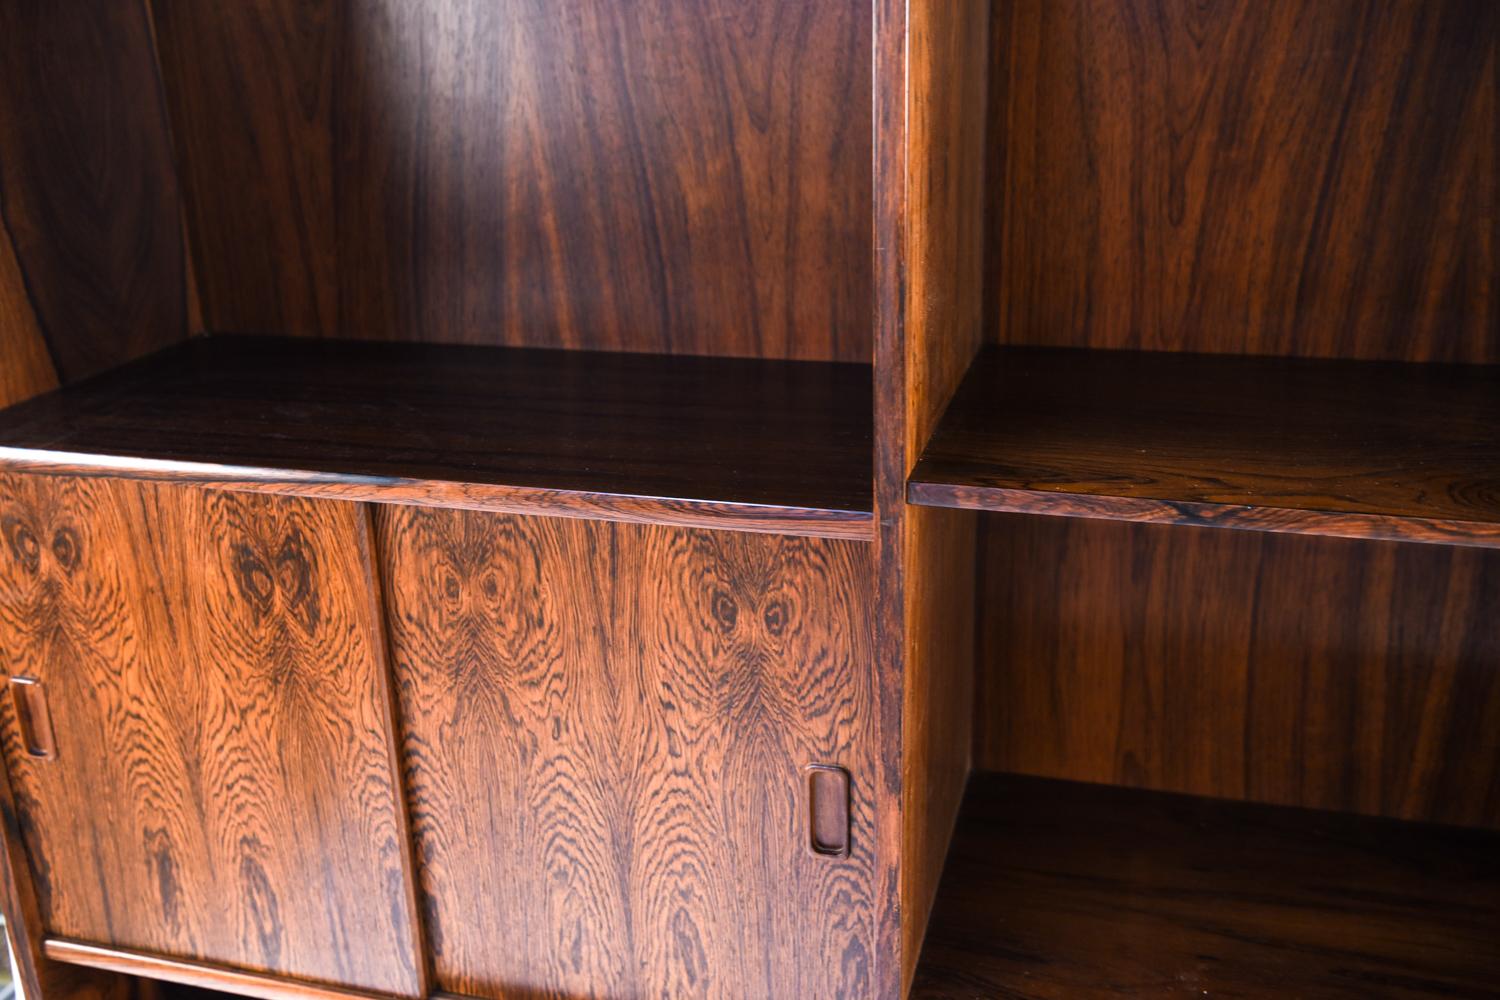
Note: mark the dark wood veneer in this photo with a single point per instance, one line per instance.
(88, 193)
(1283, 177)
(740, 443)
(1321, 672)
(677, 176)
(1361, 449)
(1076, 891)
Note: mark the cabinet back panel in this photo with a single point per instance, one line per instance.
(92, 265)
(1292, 177)
(224, 786)
(605, 730)
(1318, 672)
(676, 176)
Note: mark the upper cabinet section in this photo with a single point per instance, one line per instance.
(668, 176)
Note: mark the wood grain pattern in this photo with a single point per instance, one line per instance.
(637, 705)
(945, 123)
(890, 228)
(1303, 177)
(217, 979)
(88, 193)
(945, 204)
(743, 443)
(681, 176)
(1326, 673)
(1364, 449)
(1064, 891)
(224, 787)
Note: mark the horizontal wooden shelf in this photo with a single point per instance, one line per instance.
(780, 446)
(1349, 448)
(1055, 889)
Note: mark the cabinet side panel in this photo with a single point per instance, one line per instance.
(1326, 673)
(674, 176)
(88, 193)
(1304, 177)
(222, 787)
(606, 729)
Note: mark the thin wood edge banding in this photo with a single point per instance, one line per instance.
(1370, 527)
(198, 974)
(683, 513)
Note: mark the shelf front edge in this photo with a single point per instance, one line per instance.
(496, 498)
(1245, 517)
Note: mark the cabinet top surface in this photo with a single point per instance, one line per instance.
(769, 444)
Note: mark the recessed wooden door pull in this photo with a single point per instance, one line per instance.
(828, 810)
(34, 719)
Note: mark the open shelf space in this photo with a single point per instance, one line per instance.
(779, 446)
(1054, 889)
(1350, 448)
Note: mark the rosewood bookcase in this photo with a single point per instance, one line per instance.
(750, 498)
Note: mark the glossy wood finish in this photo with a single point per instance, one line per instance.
(606, 730)
(890, 96)
(738, 443)
(205, 977)
(1326, 673)
(679, 176)
(1072, 891)
(224, 789)
(942, 330)
(1302, 177)
(91, 251)
(1359, 449)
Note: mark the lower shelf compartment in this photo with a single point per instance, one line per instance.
(1056, 889)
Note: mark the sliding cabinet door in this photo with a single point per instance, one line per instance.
(198, 728)
(608, 730)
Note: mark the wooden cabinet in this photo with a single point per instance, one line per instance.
(606, 734)
(217, 781)
(637, 758)
(550, 499)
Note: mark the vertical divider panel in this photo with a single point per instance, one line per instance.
(930, 96)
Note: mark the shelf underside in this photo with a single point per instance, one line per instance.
(1349, 448)
(737, 443)
(1055, 889)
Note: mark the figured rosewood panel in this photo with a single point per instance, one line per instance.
(605, 733)
(679, 176)
(88, 194)
(1327, 673)
(1298, 177)
(223, 787)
